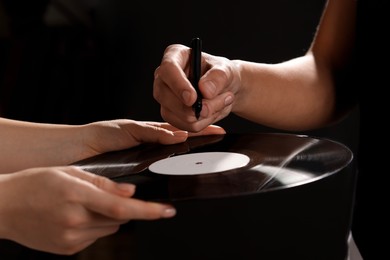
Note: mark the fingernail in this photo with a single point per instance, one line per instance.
(180, 133)
(210, 88)
(186, 95)
(169, 212)
(205, 111)
(127, 187)
(228, 100)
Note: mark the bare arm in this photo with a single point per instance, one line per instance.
(26, 144)
(75, 207)
(298, 94)
(292, 95)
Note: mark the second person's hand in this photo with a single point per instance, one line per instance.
(219, 84)
(63, 210)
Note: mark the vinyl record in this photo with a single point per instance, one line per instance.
(217, 166)
(239, 196)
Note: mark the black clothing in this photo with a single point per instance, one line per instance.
(371, 220)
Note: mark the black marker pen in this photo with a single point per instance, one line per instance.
(195, 71)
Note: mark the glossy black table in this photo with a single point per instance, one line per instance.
(293, 200)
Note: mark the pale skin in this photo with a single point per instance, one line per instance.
(297, 94)
(49, 206)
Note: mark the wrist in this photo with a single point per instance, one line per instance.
(4, 202)
(238, 77)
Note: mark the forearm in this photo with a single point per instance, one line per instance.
(300, 94)
(25, 145)
(294, 95)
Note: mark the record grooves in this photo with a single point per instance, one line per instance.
(277, 161)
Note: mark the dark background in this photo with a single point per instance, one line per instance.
(78, 61)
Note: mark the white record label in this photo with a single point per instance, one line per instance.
(199, 163)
